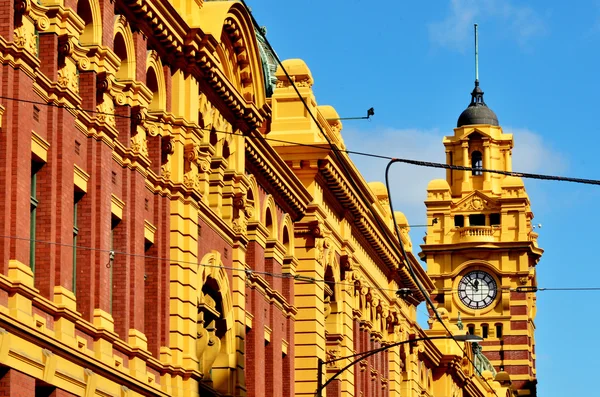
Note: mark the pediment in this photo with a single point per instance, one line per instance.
(476, 201)
(476, 132)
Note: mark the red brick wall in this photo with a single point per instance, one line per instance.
(54, 262)
(16, 384)
(93, 266)
(156, 286)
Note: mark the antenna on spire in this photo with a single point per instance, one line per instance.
(476, 56)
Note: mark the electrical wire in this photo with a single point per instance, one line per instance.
(333, 148)
(114, 253)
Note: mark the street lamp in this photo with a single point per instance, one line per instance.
(363, 355)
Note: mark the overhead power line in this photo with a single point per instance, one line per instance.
(333, 148)
(402, 291)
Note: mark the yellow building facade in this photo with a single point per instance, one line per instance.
(181, 219)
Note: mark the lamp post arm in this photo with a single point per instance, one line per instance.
(366, 354)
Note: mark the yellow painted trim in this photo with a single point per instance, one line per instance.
(80, 179)
(284, 346)
(149, 231)
(116, 206)
(249, 320)
(39, 147)
(268, 332)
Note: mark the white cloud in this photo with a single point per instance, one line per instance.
(532, 154)
(519, 22)
(409, 182)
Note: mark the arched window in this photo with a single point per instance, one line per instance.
(121, 51)
(152, 83)
(269, 222)
(286, 241)
(84, 10)
(477, 162)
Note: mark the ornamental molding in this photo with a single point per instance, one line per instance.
(346, 196)
(476, 201)
(182, 42)
(278, 175)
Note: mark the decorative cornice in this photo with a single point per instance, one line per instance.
(270, 165)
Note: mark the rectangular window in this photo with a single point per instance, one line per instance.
(484, 331)
(459, 221)
(76, 197)
(498, 330)
(32, 215)
(114, 223)
(494, 219)
(75, 233)
(471, 329)
(477, 220)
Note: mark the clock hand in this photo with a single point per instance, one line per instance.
(476, 285)
(472, 285)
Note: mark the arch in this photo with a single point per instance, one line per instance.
(125, 49)
(215, 323)
(155, 81)
(270, 216)
(228, 21)
(89, 12)
(477, 264)
(287, 234)
(253, 198)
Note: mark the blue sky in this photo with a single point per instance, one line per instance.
(413, 62)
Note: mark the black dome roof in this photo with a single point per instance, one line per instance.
(477, 112)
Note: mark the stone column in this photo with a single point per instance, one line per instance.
(466, 184)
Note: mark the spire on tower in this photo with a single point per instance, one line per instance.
(476, 56)
(477, 112)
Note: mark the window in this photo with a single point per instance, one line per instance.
(459, 221)
(33, 214)
(114, 223)
(76, 197)
(484, 331)
(494, 219)
(476, 163)
(498, 330)
(477, 220)
(471, 329)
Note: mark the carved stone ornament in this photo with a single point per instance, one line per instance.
(165, 171)
(320, 250)
(106, 111)
(139, 144)
(68, 78)
(191, 180)
(240, 225)
(302, 82)
(244, 210)
(523, 280)
(204, 165)
(363, 364)
(477, 203)
(332, 354)
(25, 39)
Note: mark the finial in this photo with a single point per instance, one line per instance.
(476, 57)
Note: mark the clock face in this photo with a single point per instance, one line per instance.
(477, 289)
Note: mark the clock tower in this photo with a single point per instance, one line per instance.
(481, 248)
